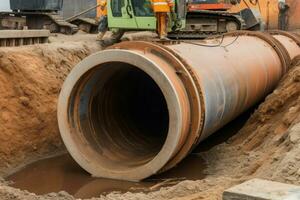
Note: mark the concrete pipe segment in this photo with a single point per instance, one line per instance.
(138, 108)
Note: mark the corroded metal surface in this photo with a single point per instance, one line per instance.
(204, 85)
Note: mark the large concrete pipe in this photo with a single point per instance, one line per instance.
(139, 108)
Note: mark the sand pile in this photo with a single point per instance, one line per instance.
(30, 81)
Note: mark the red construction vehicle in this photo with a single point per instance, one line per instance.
(209, 5)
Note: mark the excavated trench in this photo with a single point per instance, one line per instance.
(144, 128)
(29, 131)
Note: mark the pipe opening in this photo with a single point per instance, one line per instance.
(121, 113)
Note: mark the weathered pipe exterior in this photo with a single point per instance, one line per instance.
(205, 85)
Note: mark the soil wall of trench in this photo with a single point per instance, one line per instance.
(30, 81)
(268, 146)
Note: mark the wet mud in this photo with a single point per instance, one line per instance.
(62, 173)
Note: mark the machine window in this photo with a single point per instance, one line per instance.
(116, 7)
(142, 8)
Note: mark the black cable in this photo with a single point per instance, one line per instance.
(218, 45)
(203, 45)
(236, 38)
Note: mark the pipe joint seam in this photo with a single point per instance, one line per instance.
(276, 45)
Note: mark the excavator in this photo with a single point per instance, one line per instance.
(36, 14)
(193, 19)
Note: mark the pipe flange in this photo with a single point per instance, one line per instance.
(193, 139)
(193, 89)
(276, 45)
(87, 154)
(293, 36)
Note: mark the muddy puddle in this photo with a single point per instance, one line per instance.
(62, 173)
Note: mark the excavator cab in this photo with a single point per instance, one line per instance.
(131, 15)
(139, 15)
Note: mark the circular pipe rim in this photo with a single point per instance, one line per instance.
(191, 82)
(176, 123)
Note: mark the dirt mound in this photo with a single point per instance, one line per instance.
(30, 81)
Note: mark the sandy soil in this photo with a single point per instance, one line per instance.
(30, 81)
(268, 146)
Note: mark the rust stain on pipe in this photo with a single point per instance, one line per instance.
(139, 108)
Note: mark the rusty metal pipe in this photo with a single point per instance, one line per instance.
(290, 41)
(139, 108)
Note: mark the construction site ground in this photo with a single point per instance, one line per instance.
(263, 143)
